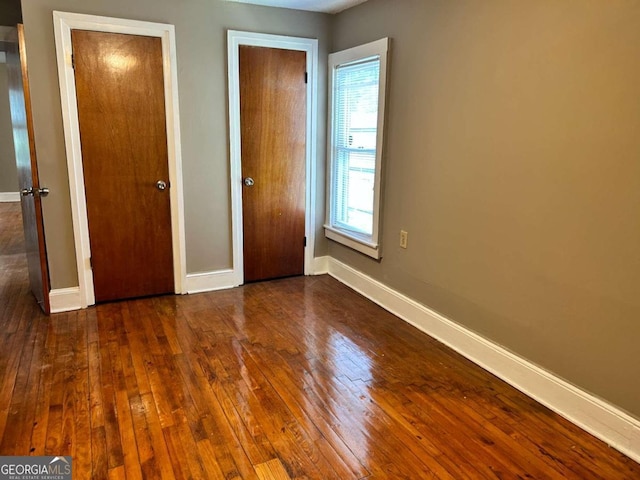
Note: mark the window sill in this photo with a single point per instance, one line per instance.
(353, 240)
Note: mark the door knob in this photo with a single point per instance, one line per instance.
(160, 185)
(249, 182)
(36, 192)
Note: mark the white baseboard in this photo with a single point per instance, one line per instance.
(65, 299)
(6, 197)
(211, 281)
(601, 419)
(68, 299)
(223, 279)
(320, 266)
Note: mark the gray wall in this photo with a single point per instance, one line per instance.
(201, 27)
(8, 169)
(513, 161)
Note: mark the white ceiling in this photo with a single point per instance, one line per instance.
(327, 6)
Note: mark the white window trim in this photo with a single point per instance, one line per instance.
(369, 245)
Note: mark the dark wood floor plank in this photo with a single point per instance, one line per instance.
(266, 414)
(109, 411)
(73, 399)
(210, 464)
(461, 466)
(309, 412)
(20, 411)
(81, 442)
(507, 452)
(510, 433)
(10, 370)
(298, 428)
(43, 399)
(360, 429)
(60, 417)
(176, 452)
(415, 455)
(142, 433)
(235, 448)
(99, 456)
(189, 444)
(233, 395)
(156, 437)
(35, 369)
(117, 473)
(297, 378)
(96, 410)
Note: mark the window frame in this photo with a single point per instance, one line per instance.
(361, 242)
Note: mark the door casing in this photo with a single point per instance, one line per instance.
(310, 46)
(64, 22)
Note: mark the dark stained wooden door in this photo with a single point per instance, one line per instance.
(273, 134)
(24, 142)
(121, 114)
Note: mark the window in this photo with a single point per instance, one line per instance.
(357, 98)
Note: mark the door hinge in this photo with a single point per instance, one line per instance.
(306, 77)
(305, 241)
(91, 263)
(73, 61)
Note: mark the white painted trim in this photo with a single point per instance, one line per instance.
(352, 240)
(224, 279)
(361, 242)
(63, 24)
(321, 265)
(601, 419)
(65, 299)
(6, 197)
(310, 46)
(210, 281)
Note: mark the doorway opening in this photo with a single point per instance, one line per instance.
(30, 194)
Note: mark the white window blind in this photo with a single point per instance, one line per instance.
(356, 120)
(357, 90)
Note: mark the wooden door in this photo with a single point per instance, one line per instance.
(24, 142)
(121, 115)
(273, 150)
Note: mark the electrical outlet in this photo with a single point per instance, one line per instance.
(404, 237)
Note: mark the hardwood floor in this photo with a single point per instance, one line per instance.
(295, 378)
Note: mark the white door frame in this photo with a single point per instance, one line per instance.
(310, 46)
(63, 24)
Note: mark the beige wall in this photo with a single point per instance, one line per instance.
(201, 27)
(513, 161)
(8, 170)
